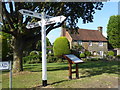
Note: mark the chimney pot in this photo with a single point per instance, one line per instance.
(100, 29)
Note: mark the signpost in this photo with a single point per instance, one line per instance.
(32, 14)
(48, 21)
(33, 25)
(4, 65)
(45, 20)
(7, 65)
(58, 19)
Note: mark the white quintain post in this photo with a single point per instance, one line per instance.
(44, 62)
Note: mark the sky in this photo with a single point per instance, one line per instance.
(101, 18)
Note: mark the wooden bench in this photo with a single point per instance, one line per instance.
(72, 59)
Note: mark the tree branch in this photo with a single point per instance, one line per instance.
(5, 29)
(28, 18)
(5, 12)
(10, 32)
(53, 27)
(11, 7)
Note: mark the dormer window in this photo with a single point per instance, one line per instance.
(100, 43)
(90, 43)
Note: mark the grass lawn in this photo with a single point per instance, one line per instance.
(93, 74)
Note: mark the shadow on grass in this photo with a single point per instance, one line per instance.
(86, 69)
(89, 69)
(50, 67)
(98, 68)
(58, 82)
(52, 83)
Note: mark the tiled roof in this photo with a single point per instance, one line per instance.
(88, 35)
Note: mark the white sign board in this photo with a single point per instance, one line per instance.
(33, 25)
(74, 58)
(4, 65)
(47, 22)
(54, 20)
(32, 14)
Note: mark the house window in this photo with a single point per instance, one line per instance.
(90, 43)
(100, 43)
(101, 53)
(80, 42)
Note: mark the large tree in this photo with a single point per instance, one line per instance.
(113, 31)
(14, 23)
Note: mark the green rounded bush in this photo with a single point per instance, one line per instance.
(82, 55)
(110, 53)
(61, 46)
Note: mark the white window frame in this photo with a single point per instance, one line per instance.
(100, 43)
(80, 42)
(101, 53)
(90, 43)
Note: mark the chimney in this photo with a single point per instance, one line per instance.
(100, 29)
(63, 29)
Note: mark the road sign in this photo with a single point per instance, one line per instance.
(32, 14)
(47, 22)
(54, 20)
(4, 65)
(33, 25)
(7, 65)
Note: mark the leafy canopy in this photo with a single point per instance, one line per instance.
(72, 10)
(113, 31)
(15, 23)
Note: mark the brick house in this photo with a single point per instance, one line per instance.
(91, 40)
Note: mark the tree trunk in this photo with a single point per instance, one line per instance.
(17, 55)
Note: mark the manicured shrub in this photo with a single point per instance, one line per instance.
(61, 46)
(76, 53)
(33, 57)
(34, 53)
(118, 56)
(51, 58)
(110, 53)
(77, 47)
(87, 53)
(94, 59)
(82, 55)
